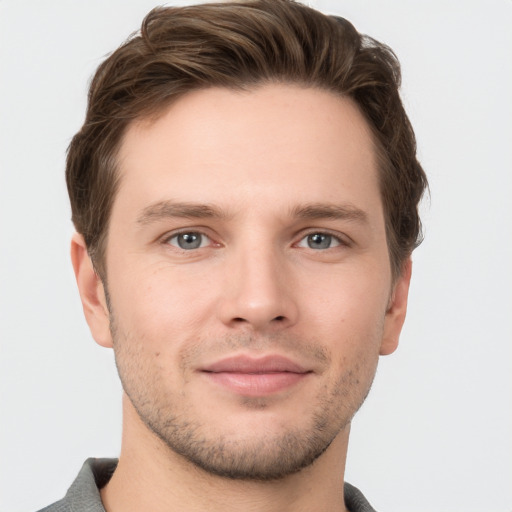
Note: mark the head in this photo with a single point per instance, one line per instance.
(240, 46)
(246, 188)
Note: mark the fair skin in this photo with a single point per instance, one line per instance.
(250, 295)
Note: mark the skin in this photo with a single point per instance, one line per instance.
(271, 173)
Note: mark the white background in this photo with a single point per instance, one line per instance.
(436, 432)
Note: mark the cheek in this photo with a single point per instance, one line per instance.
(352, 302)
(160, 306)
(350, 324)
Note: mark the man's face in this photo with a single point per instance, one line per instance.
(248, 276)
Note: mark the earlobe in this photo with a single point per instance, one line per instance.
(395, 315)
(92, 293)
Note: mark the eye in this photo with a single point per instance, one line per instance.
(189, 240)
(319, 241)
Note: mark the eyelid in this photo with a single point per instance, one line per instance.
(343, 239)
(200, 231)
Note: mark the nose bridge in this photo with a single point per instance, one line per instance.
(257, 291)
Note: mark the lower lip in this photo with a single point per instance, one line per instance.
(256, 384)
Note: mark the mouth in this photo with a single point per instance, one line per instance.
(261, 376)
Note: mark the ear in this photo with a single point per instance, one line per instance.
(397, 309)
(92, 293)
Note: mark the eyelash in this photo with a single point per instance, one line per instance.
(167, 239)
(340, 242)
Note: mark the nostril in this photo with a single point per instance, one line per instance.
(279, 318)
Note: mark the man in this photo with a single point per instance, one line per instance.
(245, 191)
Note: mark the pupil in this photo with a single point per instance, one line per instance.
(319, 241)
(189, 240)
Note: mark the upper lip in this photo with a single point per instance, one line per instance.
(251, 364)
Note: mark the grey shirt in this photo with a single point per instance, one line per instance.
(84, 494)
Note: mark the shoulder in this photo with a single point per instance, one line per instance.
(355, 500)
(59, 506)
(84, 493)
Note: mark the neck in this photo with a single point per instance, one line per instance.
(150, 476)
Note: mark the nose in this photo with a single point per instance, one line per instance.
(259, 291)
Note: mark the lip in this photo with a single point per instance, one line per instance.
(255, 376)
(262, 364)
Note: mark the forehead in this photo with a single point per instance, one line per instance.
(281, 143)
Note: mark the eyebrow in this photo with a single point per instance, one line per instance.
(316, 211)
(170, 209)
(185, 210)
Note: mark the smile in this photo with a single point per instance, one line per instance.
(256, 376)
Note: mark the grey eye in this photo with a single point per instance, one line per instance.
(319, 241)
(189, 241)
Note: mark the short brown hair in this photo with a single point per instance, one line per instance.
(240, 45)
